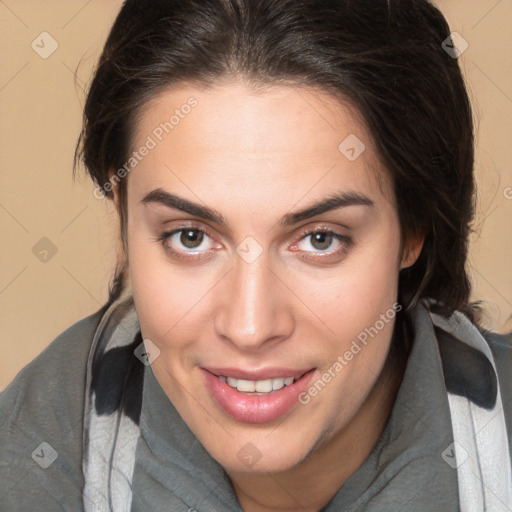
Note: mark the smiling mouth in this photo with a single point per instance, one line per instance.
(257, 386)
(261, 386)
(257, 400)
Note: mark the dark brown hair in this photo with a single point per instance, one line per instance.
(384, 57)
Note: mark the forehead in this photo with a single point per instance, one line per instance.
(284, 135)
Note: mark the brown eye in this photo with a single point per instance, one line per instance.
(188, 243)
(321, 240)
(191, 238)
(323, 245)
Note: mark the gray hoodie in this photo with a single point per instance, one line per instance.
(43, 413)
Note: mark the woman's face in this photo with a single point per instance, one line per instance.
(246, 277)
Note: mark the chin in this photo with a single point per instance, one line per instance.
(255, 461)
(268, 451)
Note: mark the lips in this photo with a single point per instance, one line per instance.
(259, 386)
(256, 396)
(255, 375)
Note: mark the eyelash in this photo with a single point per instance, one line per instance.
(188, 256)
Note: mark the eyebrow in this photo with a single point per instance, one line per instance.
(332, 202)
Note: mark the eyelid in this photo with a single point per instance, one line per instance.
(345, 240)
(183, 227)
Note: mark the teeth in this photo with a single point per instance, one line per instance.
(247, 386)
(258, 386)
(278, 383)
(263, 386)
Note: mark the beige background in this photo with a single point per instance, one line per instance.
(40, 116)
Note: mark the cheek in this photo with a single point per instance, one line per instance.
(171, 299)
(159, 298)
(346, 298)
(361, 289)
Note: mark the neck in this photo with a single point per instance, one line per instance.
(331, 464)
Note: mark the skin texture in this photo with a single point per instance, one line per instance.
(255, 157)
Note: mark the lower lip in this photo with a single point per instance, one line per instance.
(256, 408)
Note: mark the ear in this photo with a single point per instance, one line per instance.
(116, 198)
(411, 250)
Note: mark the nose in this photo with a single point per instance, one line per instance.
(253, 309)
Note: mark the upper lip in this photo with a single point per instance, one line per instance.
(259, 374)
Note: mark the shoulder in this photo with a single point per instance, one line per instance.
(41, 414)
(501, 348)
(501, 344)
(54, 377)
(467, 371)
